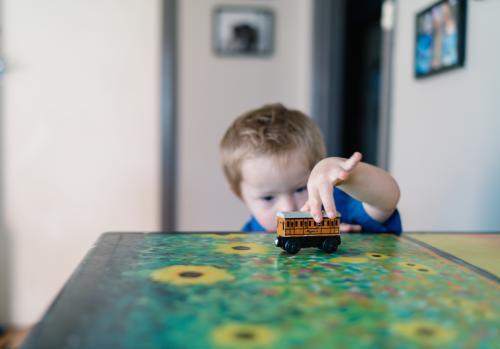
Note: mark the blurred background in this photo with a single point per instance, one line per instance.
(111, 112)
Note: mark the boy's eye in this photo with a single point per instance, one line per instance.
(301, 189)
(267, 198)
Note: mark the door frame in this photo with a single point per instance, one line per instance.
(327, 74)
(168, 101)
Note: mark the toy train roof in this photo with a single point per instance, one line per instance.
(299, 214)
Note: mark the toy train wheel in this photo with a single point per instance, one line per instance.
(329, 245)
(292, 246)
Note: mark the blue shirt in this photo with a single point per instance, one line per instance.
(352, 212)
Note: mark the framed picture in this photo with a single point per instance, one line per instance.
(440, 37)
(243, 31)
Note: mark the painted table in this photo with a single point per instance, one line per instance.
(191, 290)
(480, 249)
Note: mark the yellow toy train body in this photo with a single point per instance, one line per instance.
(298, 229)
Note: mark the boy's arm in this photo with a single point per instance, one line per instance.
(374, 187)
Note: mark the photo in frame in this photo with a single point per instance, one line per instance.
(243, 31)
(440, 37)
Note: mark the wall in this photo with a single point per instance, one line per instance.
(213, 91)
(80, 128)
(445, 144)
(80, 136)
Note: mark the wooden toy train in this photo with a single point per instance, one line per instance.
(298, 229)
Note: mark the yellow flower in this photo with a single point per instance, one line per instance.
(243, 336)
(243, 248)
(424, 332)
(354, 260)
(417, 267)
(477, 310)
(231, 236)
(273, 291)
(376, 255)
(315, 301)
(456, 302)
(190, 275)
(481, 311)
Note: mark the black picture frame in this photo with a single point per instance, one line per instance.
(243, 31)
(440, 31)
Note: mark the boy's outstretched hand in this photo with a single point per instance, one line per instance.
(324, 176)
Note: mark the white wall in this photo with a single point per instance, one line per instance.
(80, 136)
(445, 142)
(214, 90)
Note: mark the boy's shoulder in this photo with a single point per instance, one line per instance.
(252, 226)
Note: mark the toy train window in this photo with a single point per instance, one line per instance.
(309, 223)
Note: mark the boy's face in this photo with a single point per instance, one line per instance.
(270, 184)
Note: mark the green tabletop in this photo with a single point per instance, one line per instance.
(183, 290)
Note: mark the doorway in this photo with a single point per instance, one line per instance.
(361, 78)
(349, 78)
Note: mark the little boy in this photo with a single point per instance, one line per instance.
(274, 160)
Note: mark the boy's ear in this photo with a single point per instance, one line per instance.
(236, 191)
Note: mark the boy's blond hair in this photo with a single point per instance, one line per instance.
(270, 130)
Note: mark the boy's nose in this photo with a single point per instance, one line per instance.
(288, 204)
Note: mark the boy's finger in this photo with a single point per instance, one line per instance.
(306, 207)
(326, 194)
(343, 175)
(349, 228)
(355, 228)
(350, 163)
(315, 206)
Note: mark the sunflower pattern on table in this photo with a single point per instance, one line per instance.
(426, 333)
(224, 236)
(472, 309)
(419, 268)
(376, 255)
(354, 260)
(239, 291)
(236, 335)
(190, 275)
(243, 248)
